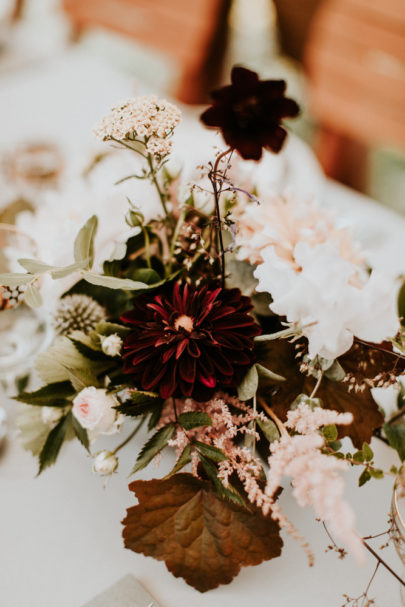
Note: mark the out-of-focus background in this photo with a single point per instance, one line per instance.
(344, 61)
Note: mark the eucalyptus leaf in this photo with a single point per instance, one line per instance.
(84, 243)
(335, 371)
(269, 429)
(110, 328)
(248, 387)
(154, 445)
(264, 372)
(67, 270)
(15, 279)
(33, 297)
(113, 283)
(395, 434)
(34, 266)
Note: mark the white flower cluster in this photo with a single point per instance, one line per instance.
(316, 277)
(146, 119)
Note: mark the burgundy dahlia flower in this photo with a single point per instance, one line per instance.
(188, 341)
(249, 113)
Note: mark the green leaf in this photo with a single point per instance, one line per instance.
(395, 434)
(335, 372)
(335, 445)
(269, 429)
(248, 387)
(154, 445)
(304, 399)
(53, 443)
(112, 282)
(209, 451)
(15, 279)
(81, 378)
(85, 348)
(358, 456)
(140, 403)
(147, 275)
(330, 432)
(80, 432)
(264, 372)
(401, 304)
(67, 270)
(376, 473)
(183, 460)
(367, 452)
(193, 419)
(84, 243)
(155, 416)
(34, 266)
(33, 297)
(364, 477)
(111, 328)
(229, 492)
(51, 395)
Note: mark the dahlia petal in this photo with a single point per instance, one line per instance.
(207, 380)
(244, 79)
(187, 369)
(193, 349)
(181, 347)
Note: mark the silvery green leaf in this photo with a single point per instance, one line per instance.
(119, 252)
(335, 371)
(113, 283)
(67, 270)
(241, 276)
(264, 372)
(269, 429)
(109, 328)
(15, 279)
(32, 297)
(32, 430)
(35, 266)
(84, 243)
(248, 387)
(306, 400)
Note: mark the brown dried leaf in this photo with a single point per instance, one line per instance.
(201, 538)
(279, 355)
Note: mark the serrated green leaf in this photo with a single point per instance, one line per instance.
(248, 387)
(51, 395)
(330, 432)
(34, 266)
(84, 242)
(53, 443)
(82, 378)
(33, 297)
(395, 434)
(111, 282)
(183, 460)
(153, 446)
(155, 416)
(193, 419)
(15, 279)
(264, 372)
(210, 451)
(269, 429)
(367, 452)
(364, 477)
(87, 350)
(229, 492)
(140, 403)
(80, 432)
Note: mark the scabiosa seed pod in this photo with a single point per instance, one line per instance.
(77, 313)
(189, 341)
(11, 297)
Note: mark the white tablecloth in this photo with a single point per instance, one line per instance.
(60, 534)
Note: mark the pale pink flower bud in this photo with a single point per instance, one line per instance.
(111, 345)
(105, 463)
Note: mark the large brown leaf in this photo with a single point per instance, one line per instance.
(201, 538)
(361, 362)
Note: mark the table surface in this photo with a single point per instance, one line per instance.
(60, 534)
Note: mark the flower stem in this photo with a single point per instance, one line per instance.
(280, 426)
(130, 437)
(383, 563)
(215, 180)
(155, 182)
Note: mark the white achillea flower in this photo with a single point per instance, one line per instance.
(146, 119)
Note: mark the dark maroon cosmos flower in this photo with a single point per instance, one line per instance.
(249, 113)
(188, 341)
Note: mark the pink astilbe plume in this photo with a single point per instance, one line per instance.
(314, 475)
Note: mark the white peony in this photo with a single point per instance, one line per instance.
(94, 410)
(332, 298)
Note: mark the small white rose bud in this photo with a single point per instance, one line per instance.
(105, 463)
(51, 415)
(111, 345)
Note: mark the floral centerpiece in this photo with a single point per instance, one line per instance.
(247, 334)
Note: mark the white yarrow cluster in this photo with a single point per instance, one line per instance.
(147, 119)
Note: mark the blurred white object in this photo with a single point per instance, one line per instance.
(3, 426)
